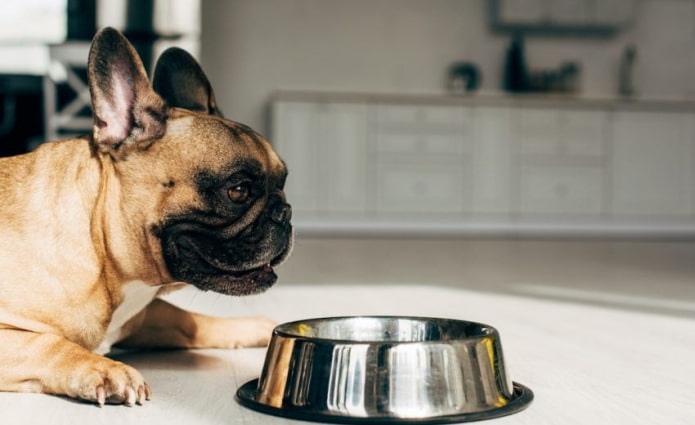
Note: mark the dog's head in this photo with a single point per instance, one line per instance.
(191, 195)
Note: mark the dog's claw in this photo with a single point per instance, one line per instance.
(141, 395)
(101, 396)
(130, 396)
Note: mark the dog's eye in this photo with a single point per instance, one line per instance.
(239, 193)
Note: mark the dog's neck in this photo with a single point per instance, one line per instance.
(79, 185)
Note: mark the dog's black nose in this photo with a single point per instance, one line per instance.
(282, 213)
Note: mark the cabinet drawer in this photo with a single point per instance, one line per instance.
(420, 188)
(539, 132)
(572, 190)
(447, 116)
(584, 133)
(558, 134)
(447, 144)
(398, 114)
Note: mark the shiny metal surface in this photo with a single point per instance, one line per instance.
(385, 369)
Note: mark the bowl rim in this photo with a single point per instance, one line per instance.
(490, 331)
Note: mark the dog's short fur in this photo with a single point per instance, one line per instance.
(165, 190)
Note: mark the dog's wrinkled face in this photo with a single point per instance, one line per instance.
(240, 228)
(203, 192)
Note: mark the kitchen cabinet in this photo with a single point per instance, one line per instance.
(492, 163)
(415, 187)
(326, 147)
(504, 165)
(421, 157)
(297, 134)
(561, 161)
(653, 164)
(342, 146)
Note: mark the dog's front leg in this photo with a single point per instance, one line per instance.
(162, 325)
(38, 362)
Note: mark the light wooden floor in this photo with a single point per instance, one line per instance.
(644, 275)
(586, 364)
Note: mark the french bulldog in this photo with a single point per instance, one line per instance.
(165, 191)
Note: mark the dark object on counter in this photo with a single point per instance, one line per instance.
(564, 79)
(515, 71)
(626, 78)
(464, 77)
(569, 74)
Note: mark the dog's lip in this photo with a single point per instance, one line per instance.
(265, 268)
(260, 274)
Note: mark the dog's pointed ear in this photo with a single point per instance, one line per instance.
(181, 82)
(128, 114)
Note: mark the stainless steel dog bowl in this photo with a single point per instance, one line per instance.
(384, 370)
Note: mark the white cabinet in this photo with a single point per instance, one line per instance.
(343, 159)
(422, 158)
(562, 190)
(493, 148)
(419, 187)
(324, 146)
(653, 164)
(561, 161)
(562, 134)
(296, 136)
(510, 166)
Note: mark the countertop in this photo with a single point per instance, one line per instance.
(492, 98)
(586, 364)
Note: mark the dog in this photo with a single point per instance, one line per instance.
(165, 191)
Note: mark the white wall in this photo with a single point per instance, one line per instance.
(251, 47)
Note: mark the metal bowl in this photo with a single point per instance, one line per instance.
(383, 369)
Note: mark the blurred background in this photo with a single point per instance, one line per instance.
(543, 147)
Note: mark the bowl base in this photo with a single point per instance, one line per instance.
(247, 396)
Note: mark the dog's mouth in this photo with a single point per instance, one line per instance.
(205, 267)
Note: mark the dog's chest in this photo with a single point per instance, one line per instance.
(136, 296)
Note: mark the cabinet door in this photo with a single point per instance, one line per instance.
(652, 165)
(492, 164)
(561, 190)
(420, 188)
(295, 136)
(539, 131)
(572, 134)
(343, 158)
(583, 134)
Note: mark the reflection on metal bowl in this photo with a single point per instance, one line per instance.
(385, 369)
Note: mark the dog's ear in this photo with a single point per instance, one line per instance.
(181, 82)
(128, 114)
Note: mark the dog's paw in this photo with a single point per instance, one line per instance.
(103, 380)
(238, 332)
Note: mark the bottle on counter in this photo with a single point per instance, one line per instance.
(515, 71)
(626, 73)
